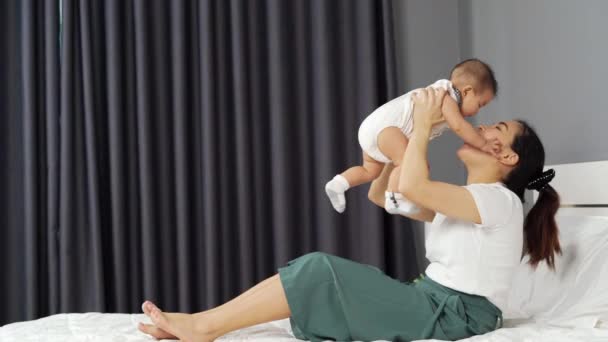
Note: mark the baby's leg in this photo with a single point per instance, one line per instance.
(365, 173)
(354, 176)
(393, 143)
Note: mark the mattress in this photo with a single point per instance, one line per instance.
(123, 327)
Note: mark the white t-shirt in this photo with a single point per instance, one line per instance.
(478, 259)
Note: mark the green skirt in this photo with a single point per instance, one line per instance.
(332, 298)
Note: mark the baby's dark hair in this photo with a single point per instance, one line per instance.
(477, 72)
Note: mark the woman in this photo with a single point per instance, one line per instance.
(474, 244)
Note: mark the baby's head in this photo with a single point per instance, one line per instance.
(476, 83)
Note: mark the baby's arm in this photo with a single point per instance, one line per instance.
(459, 125)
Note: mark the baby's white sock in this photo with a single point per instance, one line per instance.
(335, 189)
(396, 203)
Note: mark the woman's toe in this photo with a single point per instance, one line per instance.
(159, 319)
(145, 328)
(146, 307)
(154, 331)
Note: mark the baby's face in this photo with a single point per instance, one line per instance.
(472, 101)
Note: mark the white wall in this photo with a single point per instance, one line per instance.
(550, 59)
(551, 62)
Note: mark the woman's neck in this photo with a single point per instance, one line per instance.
(486, 175)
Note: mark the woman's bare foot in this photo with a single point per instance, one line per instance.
(183, 326)
(155, 332)
(151, 329)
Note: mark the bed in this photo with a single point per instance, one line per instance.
(570, 304)
(98, 327)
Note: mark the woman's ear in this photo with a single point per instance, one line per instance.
(508, 157)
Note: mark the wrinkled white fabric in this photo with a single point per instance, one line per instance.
(97, 327)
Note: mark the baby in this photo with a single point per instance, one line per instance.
(385, 133)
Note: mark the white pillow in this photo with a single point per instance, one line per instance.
(576, 294)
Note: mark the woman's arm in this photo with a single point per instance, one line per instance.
(414, 183)
(378, 188)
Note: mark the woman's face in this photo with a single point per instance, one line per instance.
(505, 132)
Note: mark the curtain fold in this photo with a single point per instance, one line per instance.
(178, 150)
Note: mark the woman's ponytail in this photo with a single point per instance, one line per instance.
(540, 229)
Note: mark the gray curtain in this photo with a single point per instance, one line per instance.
(177, 150)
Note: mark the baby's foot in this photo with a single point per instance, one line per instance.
(396, 204)
(390, 203)
(335, 189)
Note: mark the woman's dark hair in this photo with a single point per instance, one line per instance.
(540, 229)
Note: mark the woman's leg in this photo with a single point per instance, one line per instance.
(264, 302)
(157, 332)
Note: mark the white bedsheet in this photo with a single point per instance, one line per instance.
(93, 327)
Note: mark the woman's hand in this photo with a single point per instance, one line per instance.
(427, 107)
(492, 147)
(414, 182)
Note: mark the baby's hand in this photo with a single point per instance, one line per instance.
(492, 147)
